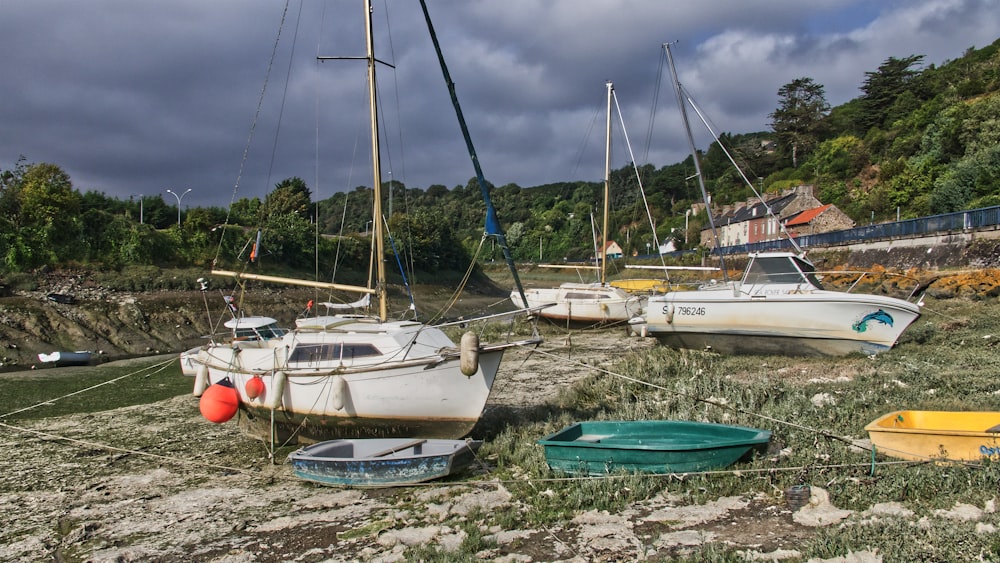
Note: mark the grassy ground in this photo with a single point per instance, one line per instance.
(70, 390)
(815, 407)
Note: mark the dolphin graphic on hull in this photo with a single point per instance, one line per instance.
(878, 316)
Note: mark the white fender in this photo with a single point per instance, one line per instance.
(278, 380)
(470, 353)
(200, 380)
(338, 392)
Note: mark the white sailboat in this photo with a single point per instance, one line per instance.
(778, 307)
(347, 375)
(597, 303)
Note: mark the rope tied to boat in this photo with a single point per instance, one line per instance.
(157, 367)
(702, 399)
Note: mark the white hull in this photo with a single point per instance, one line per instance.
(776, 318)
(582, 303)
(349, 376)
(825, 323)
(413, 386)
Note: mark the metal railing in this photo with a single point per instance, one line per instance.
(961, 221)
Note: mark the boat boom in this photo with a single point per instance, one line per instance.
(294, 281)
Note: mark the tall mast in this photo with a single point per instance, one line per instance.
(492, 226)
(607, 189)
(380, 288)
(694, 155)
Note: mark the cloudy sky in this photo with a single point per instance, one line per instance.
(132, 98)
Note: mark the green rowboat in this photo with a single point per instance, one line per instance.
(649, 446)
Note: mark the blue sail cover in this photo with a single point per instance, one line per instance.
(492, 221)
(492, 227)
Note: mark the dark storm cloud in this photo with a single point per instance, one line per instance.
(136, 97)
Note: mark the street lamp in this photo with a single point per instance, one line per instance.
(179, 198)
(140, 205)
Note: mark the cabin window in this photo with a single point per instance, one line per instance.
(313, 353)
(271, 331)
(781, 270)
(245, 333)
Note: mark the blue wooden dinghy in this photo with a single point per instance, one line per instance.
(649, 446)
(381, 462)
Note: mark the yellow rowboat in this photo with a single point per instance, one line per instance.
(937, 435)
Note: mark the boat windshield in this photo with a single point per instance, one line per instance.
(780, 270)
(808, 271)
(265, 332)
(313, 353)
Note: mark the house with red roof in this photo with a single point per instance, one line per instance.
(758, 221)
(821, 219)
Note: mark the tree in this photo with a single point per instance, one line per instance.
(883, 88)
(289, 196)
(842, 157)
(798, 121)
(245, 211)
(289, 240)
(11, 247)
(50, 214)
(430, 242)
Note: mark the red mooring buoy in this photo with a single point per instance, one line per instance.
(254, 387)
(219, 402)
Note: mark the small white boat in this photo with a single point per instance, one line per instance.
(587, 304)
(62, 359)
(779, 307)
(582, 303)
(381, 462)
(253, 328)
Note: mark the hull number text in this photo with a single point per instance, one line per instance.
(686, 311)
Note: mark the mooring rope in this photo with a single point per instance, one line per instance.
(148, 371)
(703, 400)
(98, 445)
(158, 367)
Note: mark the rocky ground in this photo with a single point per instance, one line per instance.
(145, 483)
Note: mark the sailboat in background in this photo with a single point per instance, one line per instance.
(598, 303)
(347, 375)
(778, 307)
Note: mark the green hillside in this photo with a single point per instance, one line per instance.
(918, 140)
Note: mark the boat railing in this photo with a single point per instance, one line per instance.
(884, 282)
(893, 284)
